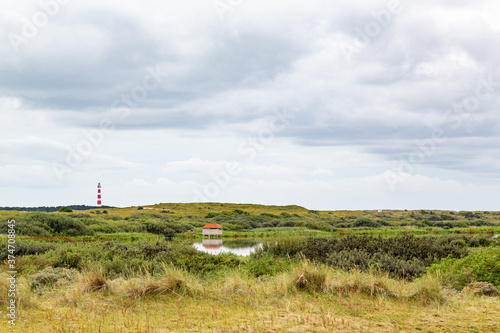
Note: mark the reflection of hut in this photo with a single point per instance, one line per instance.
(212, 244)
(212, 230)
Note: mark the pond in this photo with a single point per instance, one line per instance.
(241, 247)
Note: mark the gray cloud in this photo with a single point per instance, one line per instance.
(222, 80)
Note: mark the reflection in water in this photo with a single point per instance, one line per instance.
(212, 243)
(216, 246)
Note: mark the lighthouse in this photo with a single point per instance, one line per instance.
(99, 204)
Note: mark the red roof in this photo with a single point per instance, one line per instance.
(212, 226)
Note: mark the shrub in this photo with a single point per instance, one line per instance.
(208, 263)
(55, 224)
(319, 225)
(65, 210)
(25, 247)
(481, 266)
(427, 223)
(163, 228)
(458, 242)
(447, 217)
(267, 266)
(287, 223)
(479, 242)
(365, 222)
(362, 260)
(400, 256)
(66, 258)
(236, 225)
(482, 288)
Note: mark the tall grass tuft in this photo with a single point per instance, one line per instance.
(309, 277)
(172, 280)
(428, 289)
(94, 279)
(355, 281)
(4, 287)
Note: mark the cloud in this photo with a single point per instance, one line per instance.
(222, 79)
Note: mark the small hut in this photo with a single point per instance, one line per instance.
(212, 230)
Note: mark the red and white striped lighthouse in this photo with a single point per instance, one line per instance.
(99, 204)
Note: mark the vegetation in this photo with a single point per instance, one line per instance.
(134, 270)
(169, 219)
(482, 265)
(404, 256)
(306, 297)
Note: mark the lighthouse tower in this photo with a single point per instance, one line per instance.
(99, 204)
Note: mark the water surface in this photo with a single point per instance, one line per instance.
(239, 247)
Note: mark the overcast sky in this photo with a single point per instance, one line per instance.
(324, 104)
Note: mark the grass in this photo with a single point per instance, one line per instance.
(109, 288)
(308, 298)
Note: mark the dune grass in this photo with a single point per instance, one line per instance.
(306, 298)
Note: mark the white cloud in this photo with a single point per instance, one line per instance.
(226, 80)
(320, 173)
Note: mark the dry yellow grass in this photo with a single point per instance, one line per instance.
(335, 301)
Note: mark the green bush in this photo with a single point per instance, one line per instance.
(481, 266)
(400, 256)
(236, 225)
(120, 257)
(65, 258)
(458, 242)
(44, 224)
(319, 225)
(208, 263)
(287, 223)
(267, 266)
(164, 228)
(25, 247)
(364, 261)
(365, 222)
(65, 210)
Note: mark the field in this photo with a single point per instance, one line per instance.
(134, 270)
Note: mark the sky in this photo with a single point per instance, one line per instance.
(330, 105)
